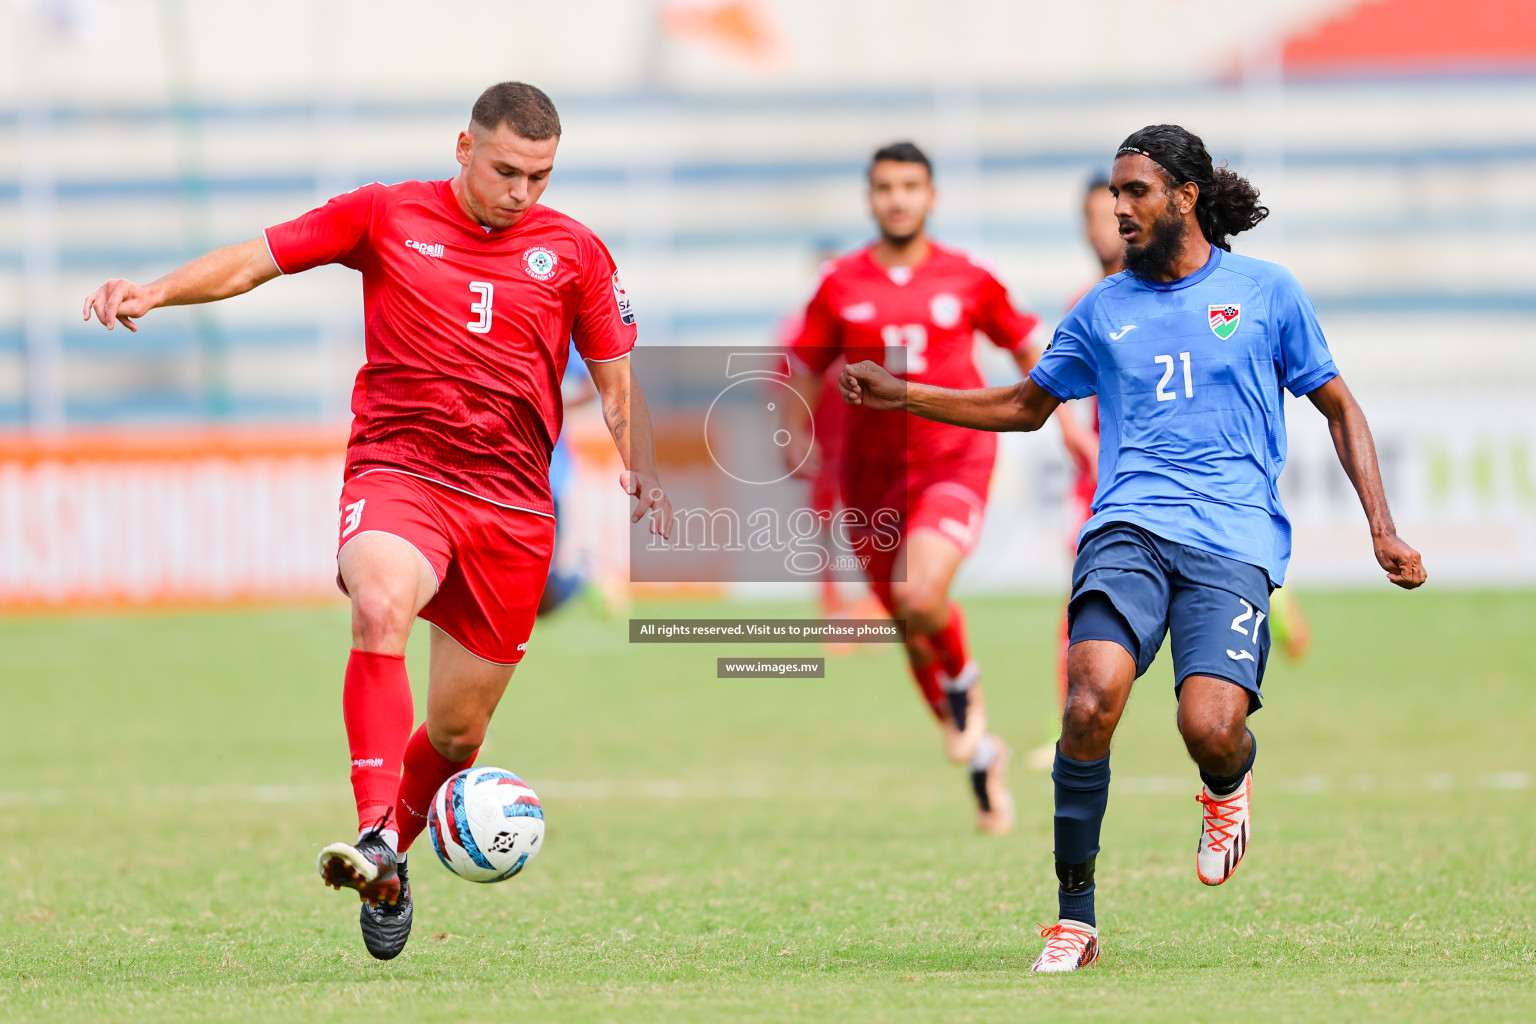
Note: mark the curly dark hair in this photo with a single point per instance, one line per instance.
(1228, 203)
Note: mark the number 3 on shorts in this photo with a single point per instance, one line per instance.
(353, 516)
(487, 292)
(1240, 624)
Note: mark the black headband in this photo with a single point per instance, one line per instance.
(1123, 150)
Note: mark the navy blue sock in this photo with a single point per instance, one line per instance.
(1077, 906)
(1225, 785)
(1082, 794)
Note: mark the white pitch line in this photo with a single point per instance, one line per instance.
(1507, 780)
(674, 789)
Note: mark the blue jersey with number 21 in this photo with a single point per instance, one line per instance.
(1191, 417)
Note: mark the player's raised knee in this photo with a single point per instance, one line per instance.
(924, 607)
(1090, 714)
(382, 617)
(456, 741)
(1213, 733)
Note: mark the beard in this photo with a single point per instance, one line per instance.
(1155, 257)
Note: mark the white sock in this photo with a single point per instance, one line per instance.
(962, 682)
(391, 838)
(986, 754)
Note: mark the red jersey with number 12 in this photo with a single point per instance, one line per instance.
(467, 332)
(931, 314)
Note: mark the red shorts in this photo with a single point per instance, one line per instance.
(491, 562)
(949, 502)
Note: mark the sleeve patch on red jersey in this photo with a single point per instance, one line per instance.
(859, 313)
(621, 299)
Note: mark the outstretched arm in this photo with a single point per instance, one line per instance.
(1022, 406)
(1081, 444)
(232, 270)
(629, 421)
(1357, 453)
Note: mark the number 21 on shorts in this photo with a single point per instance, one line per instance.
(482, 307)
(1240, 624)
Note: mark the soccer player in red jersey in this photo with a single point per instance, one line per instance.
(472, 292)
(920, 304)
(824, 471)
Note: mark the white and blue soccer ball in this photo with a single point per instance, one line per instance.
(486, 824)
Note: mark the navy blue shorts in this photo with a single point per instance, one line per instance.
(1134, 588)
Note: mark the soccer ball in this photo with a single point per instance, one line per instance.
(486, 824)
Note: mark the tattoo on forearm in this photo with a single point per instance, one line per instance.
(615, 413)
(617, 423)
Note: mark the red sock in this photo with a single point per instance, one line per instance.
(949, 644)
(376, 705)
(925, 672)
(425, 771)
(831, 600)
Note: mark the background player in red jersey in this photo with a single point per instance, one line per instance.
(916, 306)
(824, 471)
(471, 293)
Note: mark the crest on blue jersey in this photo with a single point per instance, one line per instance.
(1224, 319)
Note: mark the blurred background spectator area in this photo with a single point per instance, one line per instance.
(718, 146)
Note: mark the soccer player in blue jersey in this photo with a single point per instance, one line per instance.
(1187, 350)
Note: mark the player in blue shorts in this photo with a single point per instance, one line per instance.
(1187, 350)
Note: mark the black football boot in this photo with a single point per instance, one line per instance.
(387, 926)
(371, 867)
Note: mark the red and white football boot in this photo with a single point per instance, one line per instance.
(1224, 833)
(1069, 946)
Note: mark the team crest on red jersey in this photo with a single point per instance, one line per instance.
(540, 263)
(945, 310)
(1224, 319)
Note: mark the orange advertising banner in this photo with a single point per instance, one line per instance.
(168, 519)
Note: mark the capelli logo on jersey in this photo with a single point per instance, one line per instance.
(433, 249)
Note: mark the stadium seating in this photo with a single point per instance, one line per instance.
(1397, 207)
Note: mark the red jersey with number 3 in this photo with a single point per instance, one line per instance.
(467, 332)
(929, 314)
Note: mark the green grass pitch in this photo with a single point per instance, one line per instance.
(766, 851)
